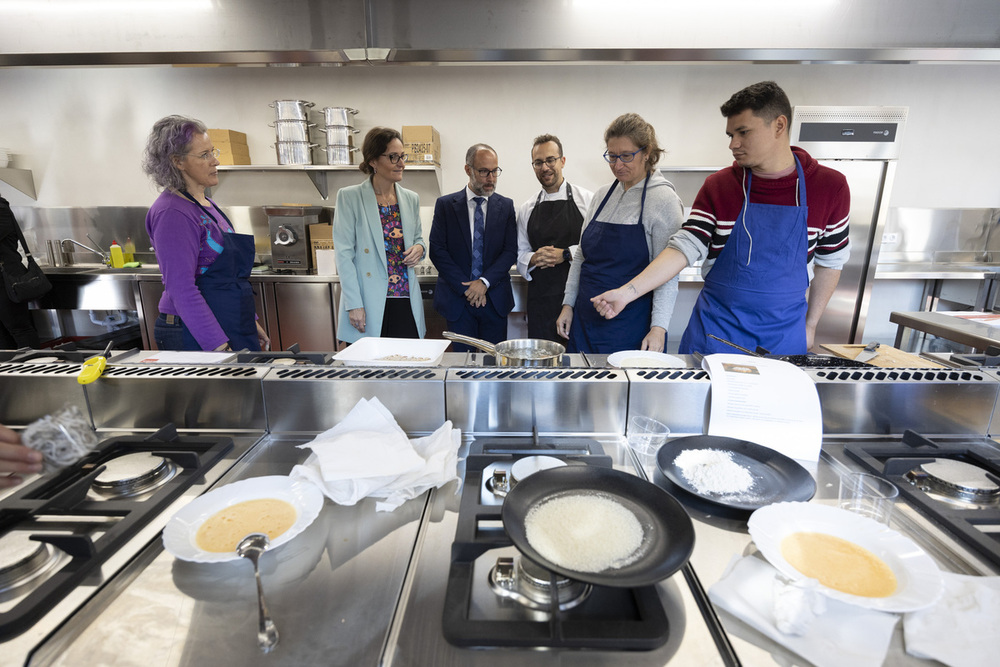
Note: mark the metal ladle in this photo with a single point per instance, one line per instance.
(251, 547)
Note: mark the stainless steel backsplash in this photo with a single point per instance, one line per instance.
(104, 224)
(947, 236)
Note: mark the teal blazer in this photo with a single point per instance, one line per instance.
(360, 250)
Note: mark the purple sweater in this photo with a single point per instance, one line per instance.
(187, 241)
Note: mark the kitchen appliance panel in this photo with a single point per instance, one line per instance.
(870, 182)
(136, 396)
(417, 640)
(305, 315)
(96, 534)
(316, 399)
(678, 398)
(290, 247)
(517, 401)
(890, 400)
(31, 391)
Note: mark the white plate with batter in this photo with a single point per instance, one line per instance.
(180, 532)
(919, 581)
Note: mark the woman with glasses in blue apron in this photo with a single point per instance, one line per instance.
(629, 223)
(207, 302)
(772, 257)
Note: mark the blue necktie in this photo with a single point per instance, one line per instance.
(478, 233)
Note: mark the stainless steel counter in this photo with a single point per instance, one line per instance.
(963, 331)
(332, 592)
(419, 641)
(934, 271)
(363, 588)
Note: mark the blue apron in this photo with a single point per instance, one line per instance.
(225, 286)
(613, 255)
(755, 293)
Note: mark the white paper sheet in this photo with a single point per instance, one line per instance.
(770, 402)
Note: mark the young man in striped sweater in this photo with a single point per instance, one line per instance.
(772, 230)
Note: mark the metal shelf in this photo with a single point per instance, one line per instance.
(320, 174)
(21, 179)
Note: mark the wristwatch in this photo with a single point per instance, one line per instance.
(567, 255)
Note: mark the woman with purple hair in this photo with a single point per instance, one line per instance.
(207, 302)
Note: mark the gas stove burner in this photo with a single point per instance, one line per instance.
(499, 483)
(530, 585)
(503, 478)
(134, 474)
(523, 468)
(955, 482)
(22, 560)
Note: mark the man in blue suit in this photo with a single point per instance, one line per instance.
(473, 244)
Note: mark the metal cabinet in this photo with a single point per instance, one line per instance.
(299, 312)
(150, 292)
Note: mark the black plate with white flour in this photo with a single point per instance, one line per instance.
(775, 477)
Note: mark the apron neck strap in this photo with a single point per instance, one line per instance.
(642, 201)
(800, 194)
(208, 211)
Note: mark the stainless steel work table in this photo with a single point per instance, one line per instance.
(957, 329)
(332, 591)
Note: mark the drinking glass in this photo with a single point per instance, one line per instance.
(867, 495)
(645, 437)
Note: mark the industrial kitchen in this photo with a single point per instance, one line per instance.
(272, 392)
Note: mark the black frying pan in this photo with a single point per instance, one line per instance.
(668, 533)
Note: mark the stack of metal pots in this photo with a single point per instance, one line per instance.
(339, 130)
(291, 130)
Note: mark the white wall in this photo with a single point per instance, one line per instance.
(81, 130)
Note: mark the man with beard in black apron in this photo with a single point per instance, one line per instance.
(548, 231)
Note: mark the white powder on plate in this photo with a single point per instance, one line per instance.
(713, 471)
(586, 532)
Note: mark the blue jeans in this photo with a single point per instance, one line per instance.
(168, 336)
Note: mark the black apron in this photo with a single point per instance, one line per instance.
(225, 286)
(554, 223)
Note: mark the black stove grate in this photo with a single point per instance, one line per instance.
(39, 507)
(892, 460)
(610, 618)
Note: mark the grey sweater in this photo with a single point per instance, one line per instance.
(662, 216)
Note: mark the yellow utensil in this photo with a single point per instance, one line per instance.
(94, 367)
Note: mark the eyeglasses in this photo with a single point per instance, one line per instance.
(483, 173)
(624, 157)
(537, 164)
(207, 155)
(395, 158)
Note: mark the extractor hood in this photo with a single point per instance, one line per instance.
(346, 32)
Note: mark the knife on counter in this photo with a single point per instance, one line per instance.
(870, 352)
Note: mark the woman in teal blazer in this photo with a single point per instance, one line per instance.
(378, 240)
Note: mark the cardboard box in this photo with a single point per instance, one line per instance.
(227, 137)
(422, 144)
(320, 238)
(233, 153)
(422, 153)
(420, 134)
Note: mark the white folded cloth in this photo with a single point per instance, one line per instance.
(960, 629)
(843, 634)
(368, 454)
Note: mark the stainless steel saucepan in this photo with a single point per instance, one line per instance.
(515, 352)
